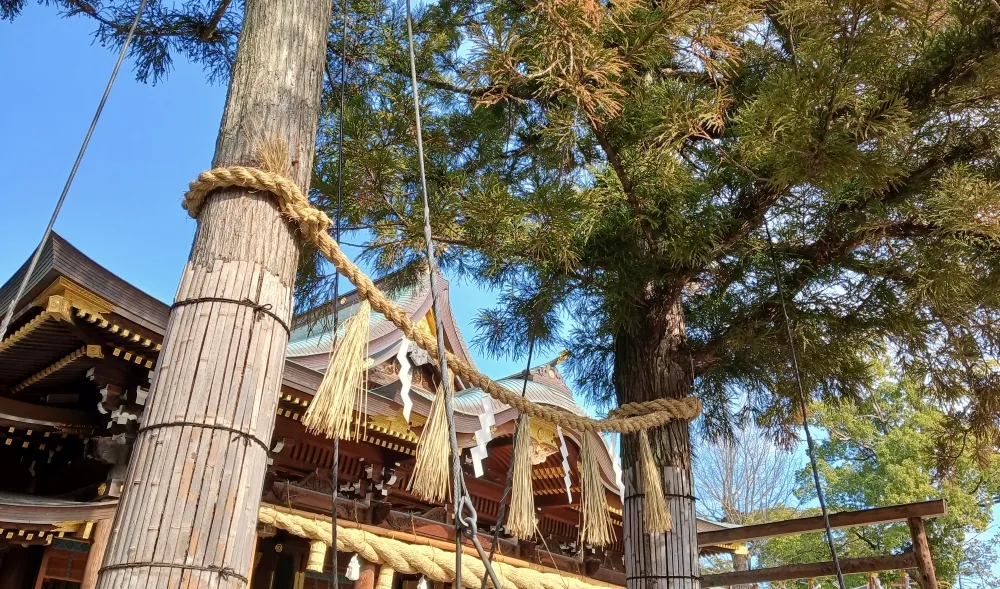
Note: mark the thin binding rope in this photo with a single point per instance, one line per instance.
(778, 277)
(72, 174)
(313, 223)
(258, 309)
(223, 572)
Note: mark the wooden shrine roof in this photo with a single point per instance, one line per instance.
(113, 322)
(311, 338)
(60, 258)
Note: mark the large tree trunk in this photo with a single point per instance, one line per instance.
(741, 562)
(652, 361)
(188, 514)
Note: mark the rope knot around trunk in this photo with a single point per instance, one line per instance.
(314, 223)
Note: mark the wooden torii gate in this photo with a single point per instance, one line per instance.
(913, 514)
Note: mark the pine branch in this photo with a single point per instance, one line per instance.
(747, 215)
(938, 73)
(848, 228)
(618, 166)
(213, 22)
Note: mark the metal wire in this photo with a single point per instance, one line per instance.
(779, 278)
(505, 499)
(335, 467)
(458, 484)
(72, 174)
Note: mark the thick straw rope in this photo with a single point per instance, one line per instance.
(313, 223)
(411, 559)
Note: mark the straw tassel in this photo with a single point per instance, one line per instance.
(430, 473)
(596, 527)
(317, 556)
(332, 407)
(521, 519)
(385, 575)
(656, 514)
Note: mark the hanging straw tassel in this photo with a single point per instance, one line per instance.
(521, 519)
(430, 473)
(596, 527)
(385, 575)
(655, 511)
(332, 407)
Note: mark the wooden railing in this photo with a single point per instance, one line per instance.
(912, 513)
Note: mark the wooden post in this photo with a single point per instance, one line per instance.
(40, 576)
(366, 577)
(102, 529)
(189, 508)
(849, 566)
(925, 566)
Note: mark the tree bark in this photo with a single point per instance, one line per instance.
(652, 361)
(189, 509)
(741, 562)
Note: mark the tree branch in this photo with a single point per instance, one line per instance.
(213, 23)
(847, 229)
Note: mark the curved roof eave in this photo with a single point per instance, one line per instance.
(385, 337)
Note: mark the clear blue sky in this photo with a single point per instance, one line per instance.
(124, 207)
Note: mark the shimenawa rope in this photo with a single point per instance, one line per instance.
(410, 559)
(313, 223)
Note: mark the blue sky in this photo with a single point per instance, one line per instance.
(124, 207)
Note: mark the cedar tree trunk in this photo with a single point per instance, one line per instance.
(652, 361)
(188, 513)
(741, 562)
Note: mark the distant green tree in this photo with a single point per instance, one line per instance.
(885, 449)
(613, 163)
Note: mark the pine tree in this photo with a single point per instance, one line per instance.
(610, 168)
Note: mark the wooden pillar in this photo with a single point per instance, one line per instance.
(925, 565)
(98, 545)
(189, 508)
(40, 575)
(366, 577)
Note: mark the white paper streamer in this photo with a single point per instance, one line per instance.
(353, 569)
(616, 462)
(405, 378)
(565, 464)
(483, 435)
